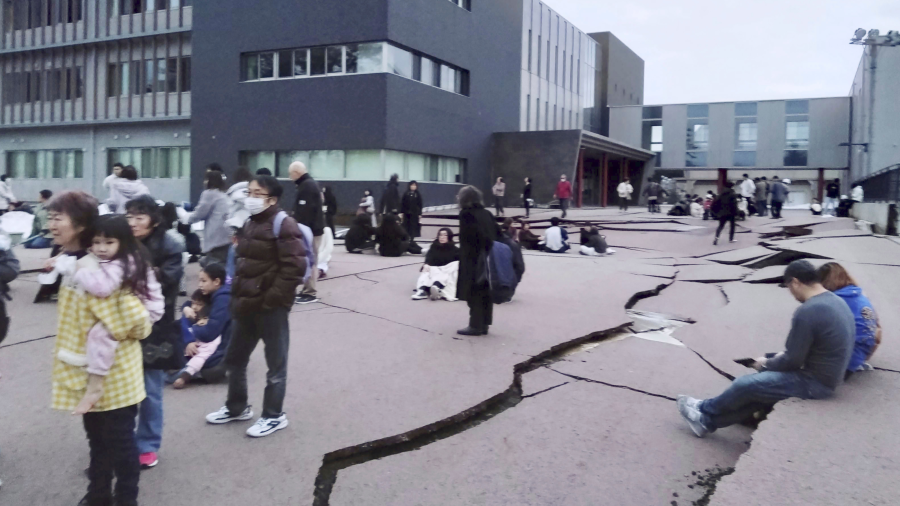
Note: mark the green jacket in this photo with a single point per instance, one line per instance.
(40, 222)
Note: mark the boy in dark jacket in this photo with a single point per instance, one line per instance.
(207, 338)
(269, 268)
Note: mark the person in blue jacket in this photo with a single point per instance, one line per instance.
(206, 339)
(836, 279)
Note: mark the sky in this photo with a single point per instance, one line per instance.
(731, 50)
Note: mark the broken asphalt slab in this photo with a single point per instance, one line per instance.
(712, 273)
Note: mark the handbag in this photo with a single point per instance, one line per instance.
(163, 348)
(482, 269)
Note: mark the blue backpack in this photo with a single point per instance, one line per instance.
(307, 238)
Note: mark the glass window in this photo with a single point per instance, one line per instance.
(796, 107)
(42, 165)
(427, 71)
(745, 158)
(698, 111)
(400, 62)
(286, 158)
(364, 164)
(171, 75)
(324, 165)
(300, 62)
(394, 163)
(58, 164)
(436, 81)
(266, 65)
(135, 78)
(451, 170)
(745, 135)
(78, 170)
(317, 61)
(417, 67)
(185, 163)
(160, 75)
(695, 159)
(654, 112)
(434, 168)
(797, 135)
(112, 80)
(163, 158)
(795, 158)
(370, 58)
(656, 138)
(149, 76)
(185, 74)
(143, 159)
(697, 135)
(335, 57)
(448, 78)
(351, 59)
(745, 109)
(285, 64)
(415, 165)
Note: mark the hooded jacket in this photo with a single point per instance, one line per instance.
(122, 190)
(866, 321)
(219, 324)
(238, 214)
(308, 205)
(725, 206)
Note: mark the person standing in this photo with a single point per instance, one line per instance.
(748, 188)
(367, 207)
(272, 261)
(213, 209)
(563, 193)
(856, 194)
(725, 209)
(653, 191)
(832, 197)
(147, 225)
(390, 200)
(237, 215)
(526, 197)
(779, 196)
(112, 178)
(308, 211)
(40, 237)
(625, 190)
(477, 231)
(125, 188)
(499, 191)
(330, 207)
(817, 351)
(760, 196)
(411, 207)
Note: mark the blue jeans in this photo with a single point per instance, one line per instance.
(754, 392)
(150, 416)
(38, 242)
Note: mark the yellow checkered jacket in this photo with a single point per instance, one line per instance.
(127, 321)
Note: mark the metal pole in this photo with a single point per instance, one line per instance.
(870, 135)
(580, 176)
(604, 179)
(821, 188)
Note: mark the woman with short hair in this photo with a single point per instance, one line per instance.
(477, 232)
(437, 278)
(868, 330)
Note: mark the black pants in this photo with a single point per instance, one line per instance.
(113, 452)
(652, 205)
(527, 206)
(218, 255)
(272, 328)
(498, 204)
(776, 209)
(623, 203)
(564, 205)
(722, 222)
(481, 307)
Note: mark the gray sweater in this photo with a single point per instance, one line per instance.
(213, 209)
(820, 342)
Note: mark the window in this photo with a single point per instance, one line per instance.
(427, 71)
(112, 80)
(797, 134)
(745, 134)
(697, 135)
(400, 62)
(465, 4)
(745, 109)
(154, 163)
(656, 138)
(529, 50)
(317, 61)
(528, 113)
(537, 111)
(45, 164)
(266, 65)
(745, 158)
(540, 46)
(370, 58)
(654, 112)
(285, 64)
(698, 111)
(695, 159)
(301, 56)
(335, 59)
(796, 107)
(185, 74)
(795, 158)
(171, 75)
(351, 59)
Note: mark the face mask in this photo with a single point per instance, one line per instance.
(255, 205)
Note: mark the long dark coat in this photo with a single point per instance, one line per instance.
(411, 207)
(477, 232)
(390, 200)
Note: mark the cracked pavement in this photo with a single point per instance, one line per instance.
(560, 404)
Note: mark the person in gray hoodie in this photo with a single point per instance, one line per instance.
(125, 188)
(779, 194)
(213, 209)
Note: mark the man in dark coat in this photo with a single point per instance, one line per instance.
(477, 231)
(308, 211)
(725, 209)
(390, 200)
(411, 207)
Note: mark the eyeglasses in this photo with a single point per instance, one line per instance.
(258, 194)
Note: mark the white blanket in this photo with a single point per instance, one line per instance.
(445, 275)
(326, 246)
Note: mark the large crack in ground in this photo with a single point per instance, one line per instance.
(334, 462)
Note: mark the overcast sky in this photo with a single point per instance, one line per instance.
(724, 50)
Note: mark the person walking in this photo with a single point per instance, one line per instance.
(653, 191)
(308, 211)
(390, 199)
(625, 190)
(563, 193)
(147, 225)
(477, 232)
(748, 188)
(411, 207)
(499, 191)
(725, 209)
(271, 264)
(818, 348)
(526, 197)
(213, 210)
(760, 196)
(779, 196)
(832, 197)
(330, 207)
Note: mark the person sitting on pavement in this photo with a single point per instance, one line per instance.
(818, 349)
(41, 238)
(596, 244)
(868, 329)
(708, 199)
(527, 238)
(392, 240)
(507, 237)
(742, 207)
(816, 208)
(439, 274)
(359, 237)
(206, 341)
(697, 208)
(555, 238)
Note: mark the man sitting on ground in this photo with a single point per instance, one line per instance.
(555, 238)
(816, 354)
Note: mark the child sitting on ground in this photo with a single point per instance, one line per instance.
(116, 266)
(595, 245)
(816, 207)
(742, 208)
(206, 325)
(697, 208)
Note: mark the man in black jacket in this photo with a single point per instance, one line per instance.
(832, 197)
(390, 199)
(308, 211)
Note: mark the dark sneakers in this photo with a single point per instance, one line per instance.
(470, 331)
(304, 298)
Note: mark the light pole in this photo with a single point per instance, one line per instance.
(872, 39)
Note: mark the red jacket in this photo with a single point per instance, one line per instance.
(564, 190)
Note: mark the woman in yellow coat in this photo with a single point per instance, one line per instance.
(110, 423)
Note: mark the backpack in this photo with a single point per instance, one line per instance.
(307, 238)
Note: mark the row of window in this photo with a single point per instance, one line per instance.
(359, 164)
(568, 62)
(163, 75)
(154, 163)
(792, 158)
(465, 4)
(377, 57)
(45, 164)
(121, 7)
(24, 14)
(24, 87)
(564, 120)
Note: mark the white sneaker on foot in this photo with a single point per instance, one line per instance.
(419, 295)
(265, 426)
(224, 416)
(690, 411)
(435, 293)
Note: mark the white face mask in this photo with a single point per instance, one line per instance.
(255, 205)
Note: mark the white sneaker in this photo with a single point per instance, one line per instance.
(435, 293)
(419, 295)
(224, 416)
(690, 411)
(610, 251)
(265, 426)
